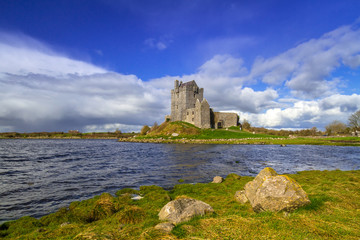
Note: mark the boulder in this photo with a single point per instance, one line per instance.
(217, 179)
(183, 209)
(165, 227)
(252, 186)
(272, 192)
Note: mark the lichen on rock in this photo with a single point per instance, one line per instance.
(272, 192)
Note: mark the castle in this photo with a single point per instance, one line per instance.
(189, 105)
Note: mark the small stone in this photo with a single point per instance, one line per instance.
(174, 134)
(121, 226)
(136, 197)
(183, 209)
(64, 224)
(165, 227)
(217, 179)
(240, 196)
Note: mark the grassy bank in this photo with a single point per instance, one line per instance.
(188, 133)
(332, 141)
(334, 213)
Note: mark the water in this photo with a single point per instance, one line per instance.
(38, 177)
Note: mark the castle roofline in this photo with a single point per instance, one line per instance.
(188, 84)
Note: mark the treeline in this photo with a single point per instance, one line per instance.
(303, 132)
(70, 134)
(333, 128)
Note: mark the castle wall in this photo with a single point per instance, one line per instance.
(202, 114)
(225, 120)
(190, 116)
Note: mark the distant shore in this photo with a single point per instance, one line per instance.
(186, 133)
(332, 141)
(65, 135)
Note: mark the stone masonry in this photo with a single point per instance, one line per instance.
(189, 105)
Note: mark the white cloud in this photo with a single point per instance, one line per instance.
(111, 127)
(42, 90)
(306, 68)
(223, 77)
(21, 55)
(80, 100)
(307, 114)
(160, 44)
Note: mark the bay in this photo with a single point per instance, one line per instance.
(37, 177)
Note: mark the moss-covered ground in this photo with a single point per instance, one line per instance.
(334, 213)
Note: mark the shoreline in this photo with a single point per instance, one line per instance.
(332, 214)
(329, 141)
(326, 141)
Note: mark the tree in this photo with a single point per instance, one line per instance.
(335, 127)
(313, 131)
(118, 132)
(154, 126)
(246, 125)
(144, 130)
(354, 121)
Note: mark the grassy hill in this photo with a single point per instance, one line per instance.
(166, 129)
(189, 131)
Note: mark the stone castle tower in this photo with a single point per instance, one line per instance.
(188, 104)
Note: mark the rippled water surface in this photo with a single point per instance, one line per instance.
(38, 177)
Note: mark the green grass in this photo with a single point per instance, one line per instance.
(229, 134)
(188, 133)
(334, 213)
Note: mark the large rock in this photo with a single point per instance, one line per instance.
(252, 186)
(183, 209)
(272, 192)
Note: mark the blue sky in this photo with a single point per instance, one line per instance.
(98, 65)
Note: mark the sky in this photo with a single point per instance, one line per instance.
(102, 65)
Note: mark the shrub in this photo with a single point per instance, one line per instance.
(145, 129)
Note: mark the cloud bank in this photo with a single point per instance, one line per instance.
(306, 69)
(44, 90)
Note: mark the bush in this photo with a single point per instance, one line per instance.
(335, 127)
(246, 125)
(145, 129)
